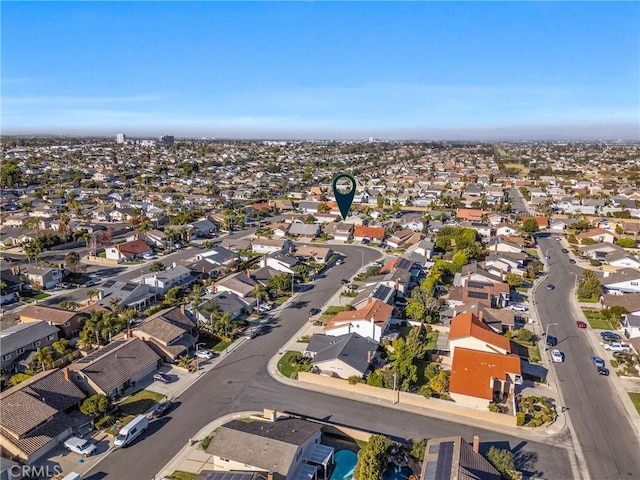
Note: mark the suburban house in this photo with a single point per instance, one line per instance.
(471, 214)
(281, 261)
(404, 238)
(626, 280)
(128, 250)
(610, 254)
(484, 367)
(304, 230)
(343, 356)
(288, 448)
(126, 294)
(340, 231)
(42, 277)
(451, 458)
(369, 321)
(371, 234)
(421, 252)
(239, 283)
(112, 369)
(174, 276)
(13, 283)
(598, 235)
(18, 344)
(503, 243)
(69, 322)
(267, 245)
(204, 228)
(314, 253)
(170, 333)
(221, 303)
(33, 415)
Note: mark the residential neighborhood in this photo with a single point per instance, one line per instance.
(217, 278)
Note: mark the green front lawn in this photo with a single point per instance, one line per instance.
(285, 365)
(530, 350)
(140, 402)
(635, 398)
(182, 475)
(588, 299)
(41, 296)
(221, 345)
(597, 321)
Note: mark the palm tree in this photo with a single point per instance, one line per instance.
(44, 357)
(69, 305)
(91, 294)
(259, 292)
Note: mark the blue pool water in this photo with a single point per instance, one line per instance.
(396, 473)
(345, 463)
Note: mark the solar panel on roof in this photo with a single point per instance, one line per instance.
(472, 284)
(129, 287)
(100, 352)
(108, 284)
(443, 468)
(482, 295)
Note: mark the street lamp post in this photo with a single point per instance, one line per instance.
(395, 384)
(546, 336)
(197, 357)
(575, 280)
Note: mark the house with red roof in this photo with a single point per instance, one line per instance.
(471, 214)
(372, 234)
(371, 321)
(128, 250)
(485, 366)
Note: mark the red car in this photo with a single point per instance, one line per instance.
(581, 324)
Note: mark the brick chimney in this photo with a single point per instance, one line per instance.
(129, 332)
(480, 316)
(264, 261)
(270, 476)
(65, 372)
(476, 443)
(369, 356)
(369, 299)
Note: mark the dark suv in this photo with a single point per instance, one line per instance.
(551, 341)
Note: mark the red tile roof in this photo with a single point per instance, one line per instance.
(135, 247)
(379, 311)
(369, 232)
(472, 371)
(468, 325)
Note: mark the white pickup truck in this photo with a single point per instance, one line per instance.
(80, 445)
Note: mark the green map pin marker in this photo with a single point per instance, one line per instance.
(344, 199)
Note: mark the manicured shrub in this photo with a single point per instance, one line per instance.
(536, 422)
(520, 418)
(546, 419)
(353, 379)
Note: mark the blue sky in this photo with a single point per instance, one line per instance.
(414, 70)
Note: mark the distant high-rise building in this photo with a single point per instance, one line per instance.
(121, 138)
(166, 139)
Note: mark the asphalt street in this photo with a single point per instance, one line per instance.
(610, 445)
(241, 382)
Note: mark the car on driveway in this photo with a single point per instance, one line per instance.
(518, 308)
(204, 354)
(161, 377)
(162, 409)
(610, 336)
(551, 341)
(616, 347)
(81, 446)
(581, 324)
(597, 361)
(557, 356)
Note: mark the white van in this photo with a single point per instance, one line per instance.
(131, 430)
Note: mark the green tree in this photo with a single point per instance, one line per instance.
(513, 279)
(440, 383)
(172, 297)
(417, 448)
(530, 226)
(95, 405)
(19, 378)
(589, 286)
(259, 292)
(44, 358)
(380, 201)
(72, 262)
(61, 347)
(373, 459)
(376, 379)
(157, 267)
(10, 174)
(91, 294)
(281, 283)
(626, 243)
(503, 461)
(587, 241)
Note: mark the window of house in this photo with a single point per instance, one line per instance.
(20, 351)
(6, 357)
(36, 344)
(224, 459)
(635, 284)
(66, 324)
(50, 337)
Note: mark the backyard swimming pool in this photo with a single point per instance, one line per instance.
(345, 463)
(396, 473)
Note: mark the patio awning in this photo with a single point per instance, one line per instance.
(319, 454)
(306, 472)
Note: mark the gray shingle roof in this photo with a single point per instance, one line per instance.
(351, 349)
(120, 361)
(53, 389)
(270, 446)
(24, 334)
(21, 412)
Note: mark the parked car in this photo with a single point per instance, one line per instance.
(610, 336)
(564, 250)
(352, 287)
(557, 356)
(581, 324)
(314, 311)
(551, 286)
(204, 354)
(597, 362)
(616, 347)
(149, 256)
(344, 281)
(339, 261)
(161, 377)
(516, 307)
(131, 431)
(558, 239)
(603, 371)
(162, 409)
(571, 260)
(81, 446)
(551, 341)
